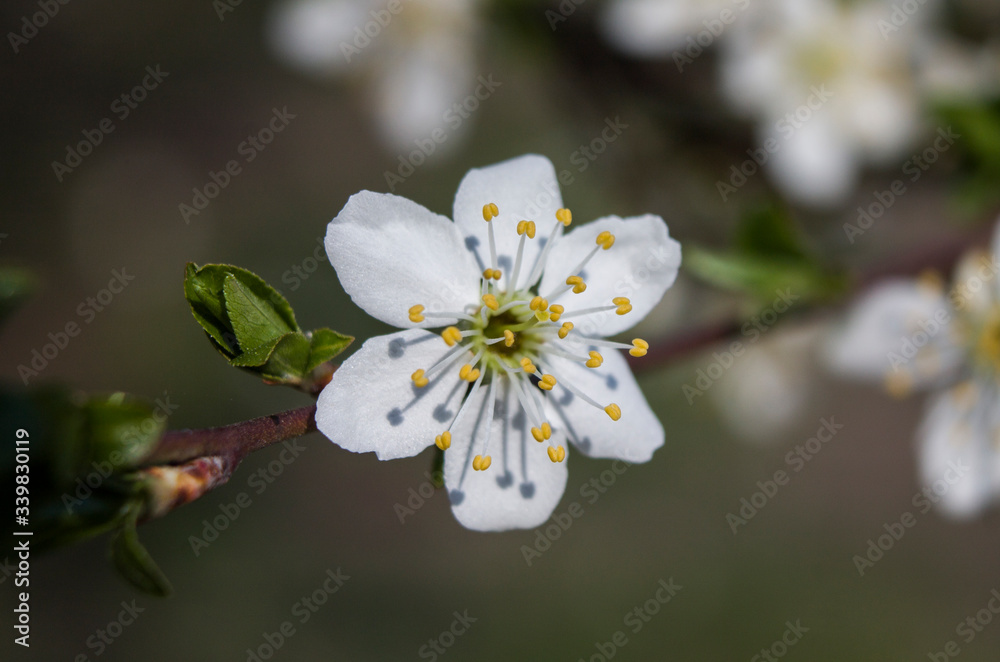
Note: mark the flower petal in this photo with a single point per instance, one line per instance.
(632, 438)
(959, 464)
(524, 188)
(900, 328)
(371, 403)
(309, 34)
(391, 253)
(522, 486)
(653, 28)
(641, 265)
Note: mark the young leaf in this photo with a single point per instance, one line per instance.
(255, 320)
(131, 558)
(324, 345)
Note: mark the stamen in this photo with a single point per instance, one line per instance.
(494, 274)
(491, 302)
(443, 440)
(528, 366)
(639, 347)
(490, 211)
(508, 337)
(624, 305)
(451, 335)
(577, 283)
(526, 228)
(480, 463)
(419, 380)
(547, 382)
(415, 315)
(468, 373)
(543, 433)
(614, 411)
(538, 303)
(446, 361)
(564, 216)
(557, 453)
(485, 460)
(565, 329)
(595, 360)
(543, 257)
(512, 285)
(605, 240)
(556, 312)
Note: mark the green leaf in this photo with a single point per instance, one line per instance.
(771, 232)
(258, 356)
(15, 286)
(324, 345)
(133, 561)
(287, 364)
(255, 320)
(120, 430)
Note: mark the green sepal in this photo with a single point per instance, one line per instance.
(132, 560)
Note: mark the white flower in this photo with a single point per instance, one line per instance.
(650, 28)
(914, 335)
(522, 366)
(419, 57)
(837, 85)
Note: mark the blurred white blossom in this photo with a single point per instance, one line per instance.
(416, 57)
(652, 28)
(915, 335)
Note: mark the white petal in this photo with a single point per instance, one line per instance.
(523, 188)
(391, 253)
(522, 486)
(309, 33)
(899, 327)
(632, 438)
(641, 265)
(816, 164)
(975, 285)
(651, 28)
(371, 403)
(958, 459)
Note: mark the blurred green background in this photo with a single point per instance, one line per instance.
(332, 509)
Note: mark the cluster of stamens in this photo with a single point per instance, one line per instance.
(510, 331)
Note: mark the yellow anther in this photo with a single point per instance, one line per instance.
(564, 216)
(595, 360)
(577, 283)
(480, 463)
(490, 211)
(538, 303)
(468, 373)
(418, 379)
(605, 240)
(614, 411)
(557, 453)
(526, 227)
(565, 329)
(443, 441)
(493, 274)
(528, 366)
(639, 347)
(508, 337)
(547, 382)
(542, 433)
(624, 305)
(490, 301)
(451, 335)
(415, 315)
(556, 312)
